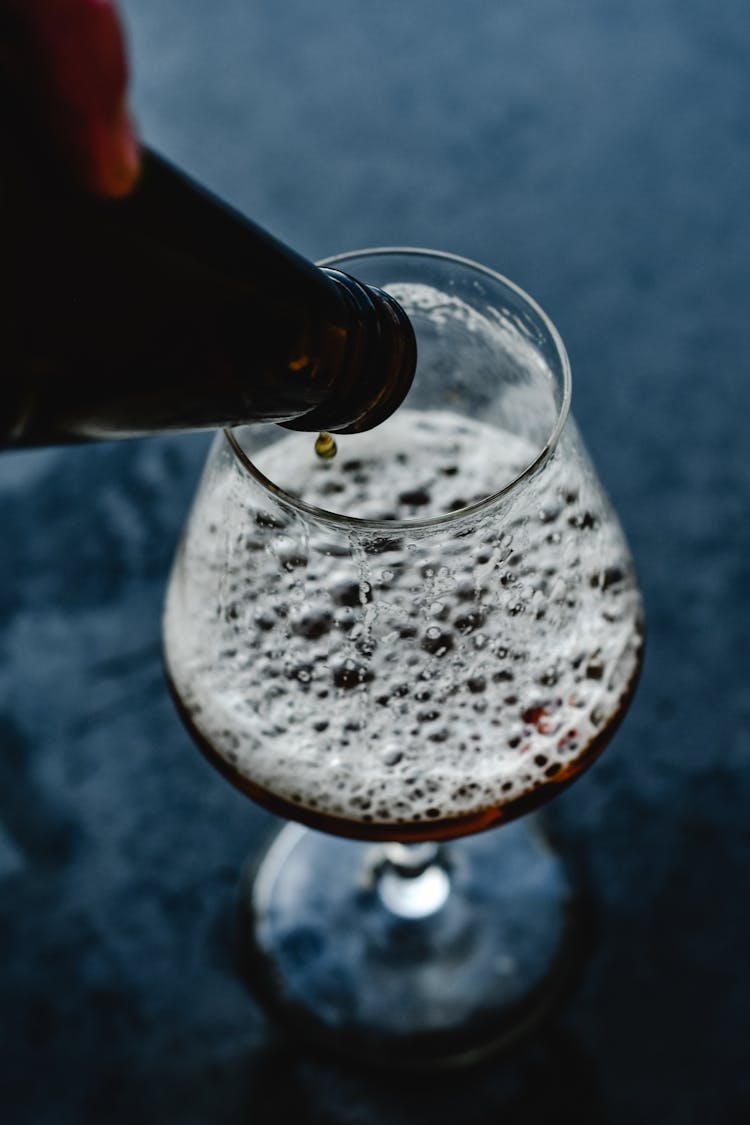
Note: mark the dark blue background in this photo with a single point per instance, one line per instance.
(598, 153)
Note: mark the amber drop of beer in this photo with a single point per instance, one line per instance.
(325, 446)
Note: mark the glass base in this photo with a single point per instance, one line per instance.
(453, 960)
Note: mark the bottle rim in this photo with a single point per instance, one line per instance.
(488, 502)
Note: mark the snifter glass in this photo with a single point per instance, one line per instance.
(428, 635)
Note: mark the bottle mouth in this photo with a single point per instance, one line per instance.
(396, 344)
(379, 366)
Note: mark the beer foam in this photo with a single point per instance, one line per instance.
(390, 675)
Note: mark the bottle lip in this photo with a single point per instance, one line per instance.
(392, 336)
(380, 342)
(474, 511)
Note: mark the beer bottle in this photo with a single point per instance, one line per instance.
(167, 310)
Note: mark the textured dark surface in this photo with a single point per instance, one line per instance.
(597, 152)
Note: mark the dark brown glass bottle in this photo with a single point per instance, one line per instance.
(167, 310)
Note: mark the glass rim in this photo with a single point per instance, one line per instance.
(388, 526)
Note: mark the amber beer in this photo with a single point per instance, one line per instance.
(167, 310)
(428, 691)
(448, 827)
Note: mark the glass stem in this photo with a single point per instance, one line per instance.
(412, 879)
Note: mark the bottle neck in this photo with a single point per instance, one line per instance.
(378, 365)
